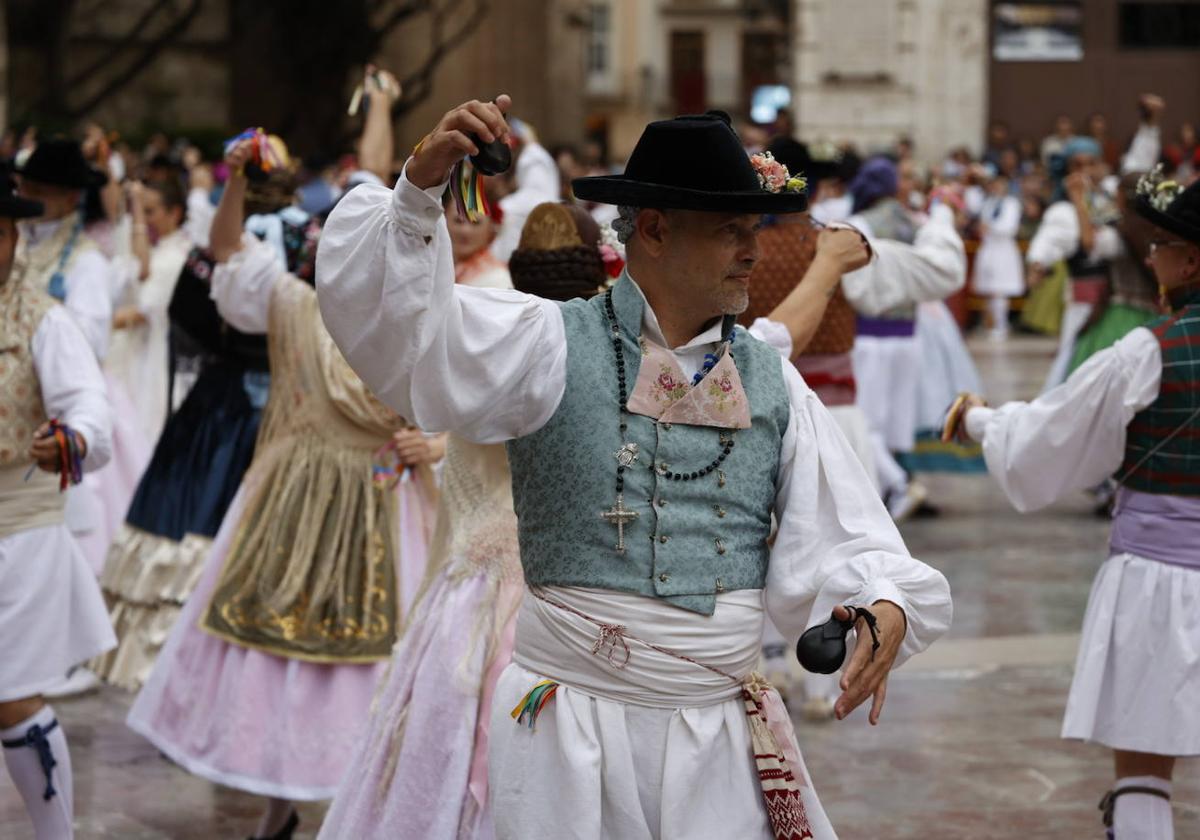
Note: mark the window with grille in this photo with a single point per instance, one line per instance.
(1143, 26)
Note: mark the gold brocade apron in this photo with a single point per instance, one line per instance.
(311, 573)
(27, 499)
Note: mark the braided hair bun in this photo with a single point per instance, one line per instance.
(559, 254)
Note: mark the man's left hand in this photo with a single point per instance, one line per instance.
(45, 449)
(867, 676)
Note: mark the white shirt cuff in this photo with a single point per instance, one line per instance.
(977, 420)
(417, 209)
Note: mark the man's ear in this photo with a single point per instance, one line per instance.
(652, 228)
(1193, 263)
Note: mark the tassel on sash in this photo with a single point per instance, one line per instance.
(781, 789)
(531, 704)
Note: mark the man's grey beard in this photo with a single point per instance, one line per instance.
(733, 302)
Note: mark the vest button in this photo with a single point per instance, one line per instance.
(662, 502)
(664, 577)
(720, 511)
(666, 427)
(663, 539)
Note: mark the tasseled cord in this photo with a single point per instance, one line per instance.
(531, 704)
(35, 738)
(466, 185)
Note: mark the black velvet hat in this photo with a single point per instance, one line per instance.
(696, 163)
(12, 206)
(1181, 216)
(59, 161)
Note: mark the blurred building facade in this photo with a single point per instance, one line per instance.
(1128, 47)
(873, 71)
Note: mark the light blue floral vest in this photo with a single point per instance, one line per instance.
(692, 539)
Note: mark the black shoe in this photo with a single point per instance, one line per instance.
(285, 833)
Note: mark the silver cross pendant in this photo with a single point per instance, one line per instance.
(620, 516)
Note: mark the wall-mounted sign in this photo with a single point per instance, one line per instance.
(1031, 31)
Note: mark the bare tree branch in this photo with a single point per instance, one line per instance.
(149, 53)
(123, 45)
(418, 85)
(402, 13)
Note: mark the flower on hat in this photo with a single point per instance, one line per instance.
(1158, 190)
(774, 177)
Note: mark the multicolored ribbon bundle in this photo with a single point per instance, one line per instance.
(466, 185)
(387, 469)
(531, 704)
(265, 157)
(70, 455)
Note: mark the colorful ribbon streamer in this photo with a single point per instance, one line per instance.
(264, 155)
(470, 199)
(531, 704)
(70, 455)
(387, 469)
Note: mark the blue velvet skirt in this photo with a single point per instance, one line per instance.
(202, 454)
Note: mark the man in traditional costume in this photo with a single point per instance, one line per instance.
(62, 259)
(644, 480)
(266, 679)
(52, 616)
(1131, 411)
(421, 769)
(59, 256)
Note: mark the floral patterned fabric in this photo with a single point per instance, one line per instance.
(663, 392)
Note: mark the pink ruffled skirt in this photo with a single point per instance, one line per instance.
(258, 722)
(421, 769)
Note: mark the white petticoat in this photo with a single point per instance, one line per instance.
(52, 615)
(610, 756)
(887, 371)
(1137, 674)
(947, 368)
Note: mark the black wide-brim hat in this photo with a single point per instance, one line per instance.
(59, 162)
(690, 163)
(12, 206)
(1182, 216)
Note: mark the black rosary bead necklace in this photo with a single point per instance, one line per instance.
(619, 515)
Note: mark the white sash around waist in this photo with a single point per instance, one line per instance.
(558, 643)
(28, 504)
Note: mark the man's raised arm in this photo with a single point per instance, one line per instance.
(486, 363)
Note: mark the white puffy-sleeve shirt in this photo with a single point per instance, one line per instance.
(1073, 436)
(491, 365)
(932, 268)
(73, 388)
(241, 287)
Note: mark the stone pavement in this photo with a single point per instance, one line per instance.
(968, 746)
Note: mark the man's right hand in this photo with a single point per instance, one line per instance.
(448, 143)
(845, 247)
